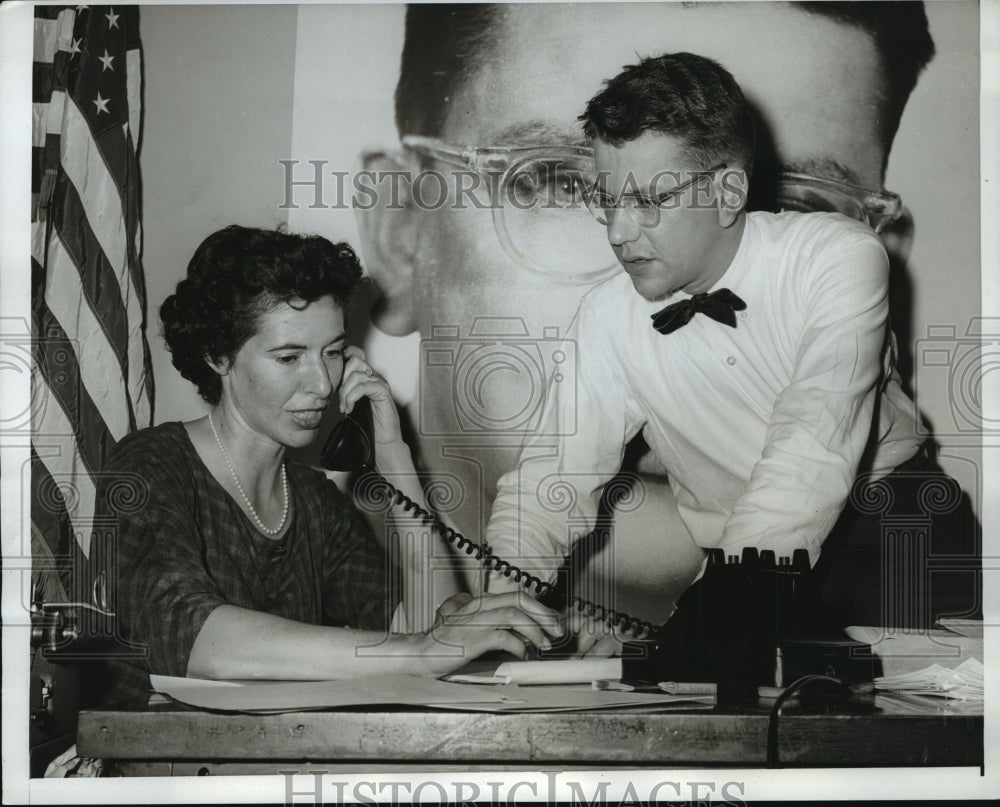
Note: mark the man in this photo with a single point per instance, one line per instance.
(765, 385)
(828, 82)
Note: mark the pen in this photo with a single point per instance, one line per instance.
(675, 688)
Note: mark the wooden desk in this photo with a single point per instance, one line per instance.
(170, 739)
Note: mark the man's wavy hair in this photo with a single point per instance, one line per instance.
(689, 97)
(235, 276)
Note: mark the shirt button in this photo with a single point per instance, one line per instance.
(743, 315)
(731, 361)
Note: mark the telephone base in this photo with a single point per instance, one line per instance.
(751, 620)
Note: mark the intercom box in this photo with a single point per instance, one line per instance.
(851, 662)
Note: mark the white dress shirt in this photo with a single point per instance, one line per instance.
(762, 428)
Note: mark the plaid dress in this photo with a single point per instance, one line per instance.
(184, 547)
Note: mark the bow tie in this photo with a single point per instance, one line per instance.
(720, 305)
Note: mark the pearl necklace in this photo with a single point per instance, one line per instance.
(239, 487)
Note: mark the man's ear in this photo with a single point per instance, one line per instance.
(732, 187)
(898, 240)
(388, 222)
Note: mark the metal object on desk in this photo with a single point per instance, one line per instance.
(53, 703)
(77, 631)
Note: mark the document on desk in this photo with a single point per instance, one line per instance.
(580, 698)
(565, 671)
(402, 690)
(965, 682)
(908, 651)
(291, 696)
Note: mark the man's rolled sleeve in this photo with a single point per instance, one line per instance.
(555, 488)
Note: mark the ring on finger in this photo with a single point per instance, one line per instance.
(370, 373)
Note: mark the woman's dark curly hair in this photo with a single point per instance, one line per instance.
(235, 276)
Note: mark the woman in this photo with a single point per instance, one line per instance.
(237, 563)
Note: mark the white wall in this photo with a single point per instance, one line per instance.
(218, 117)
(934, 166)
(346, 66)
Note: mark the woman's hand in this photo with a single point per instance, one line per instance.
(359, 381)
(596, 639)
(510, 622)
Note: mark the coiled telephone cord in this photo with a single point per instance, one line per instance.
(611, 617)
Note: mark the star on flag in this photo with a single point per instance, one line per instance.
(101, 104)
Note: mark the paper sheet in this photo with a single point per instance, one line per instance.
(406, 690)
(399, 690)
(564, 671)
(973, 628)
(964, 682)
(572, 698)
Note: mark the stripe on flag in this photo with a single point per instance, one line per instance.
(42, 115)
(71, 492)
(92, 382)
(100, 370)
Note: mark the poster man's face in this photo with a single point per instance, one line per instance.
(813, 82)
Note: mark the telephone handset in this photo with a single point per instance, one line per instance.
(351, 447)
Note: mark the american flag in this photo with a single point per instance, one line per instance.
(91, 383)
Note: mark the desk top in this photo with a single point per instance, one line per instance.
(873, 736)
